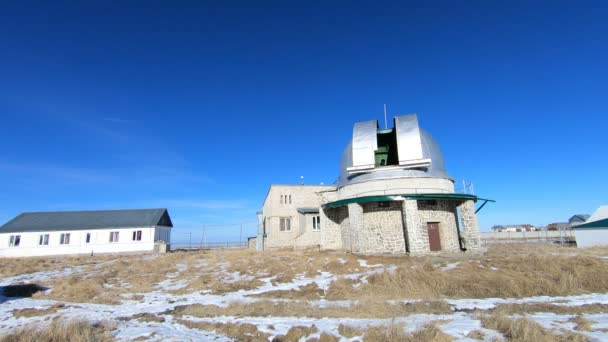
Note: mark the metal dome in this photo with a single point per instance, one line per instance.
(430, 150)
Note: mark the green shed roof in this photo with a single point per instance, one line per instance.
(593, 225)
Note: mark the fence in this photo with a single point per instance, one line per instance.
(209, 245)
(213, 236)
(564, 237)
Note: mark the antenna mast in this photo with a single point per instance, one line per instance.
(385, 122)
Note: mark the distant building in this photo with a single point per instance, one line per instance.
(558, 226)
(393, 196)
(86, 232)
(514, 228)
(594, 232)
(578, 219)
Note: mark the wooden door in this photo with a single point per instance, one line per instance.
(434, 238)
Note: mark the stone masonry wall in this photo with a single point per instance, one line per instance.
(444, 212)
(470, 229)
(416, 234)
(381, 230)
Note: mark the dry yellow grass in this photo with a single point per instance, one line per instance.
(582, 324)
(525, 330)
(476, 335)
(306, 292)
(518, 274)
(515, 270)
(61, 331)
(511, 309)
(396, 332)
(37, 312)
(296, 333)
(304, 309)
(15, 266)
(239, 332)
(349, 332)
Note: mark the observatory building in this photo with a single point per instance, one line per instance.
(393, 196)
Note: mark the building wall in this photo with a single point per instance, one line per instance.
(302, 196)
(333, 223)
(397, 186)
(591, 237)
(99, 243)
(381, 229)
(444, 212)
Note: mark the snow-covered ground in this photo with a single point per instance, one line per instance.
(159, 302)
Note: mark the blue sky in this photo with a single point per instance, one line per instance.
(200, 106)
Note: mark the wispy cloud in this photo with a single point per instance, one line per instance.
(209, 204)
(117, 120)
(56, 173)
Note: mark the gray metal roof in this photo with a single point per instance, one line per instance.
(308, 210)
(84, 220)
(430, 150)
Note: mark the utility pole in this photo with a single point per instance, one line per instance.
(190, 240)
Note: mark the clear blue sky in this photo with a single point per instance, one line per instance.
(200, 106)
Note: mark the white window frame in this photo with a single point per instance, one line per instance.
(114, 236)
(137, 235)
(285, 224)
(316, 223)
(14, 240)
(43, 240)
(64, 239)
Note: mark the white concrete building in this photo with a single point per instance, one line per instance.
(291, 215)
(594, 232)
(393, 196)
(86, 232)
(514, 228)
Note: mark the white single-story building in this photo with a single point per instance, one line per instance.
(594, 232)
(514, 228)
(86, 232)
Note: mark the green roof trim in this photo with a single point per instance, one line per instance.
(386, 198)
(603, 223)
(308, 210)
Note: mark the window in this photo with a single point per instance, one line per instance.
(15, 240)
(44, 240)
(88, 240)
(289, 199)
(137, 235)
(429, 203)
(113, 236)
(285, 224)
(64, 239)
(316, 223)
(281, 199)
(384, 204)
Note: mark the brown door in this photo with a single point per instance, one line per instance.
(434, 239)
